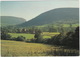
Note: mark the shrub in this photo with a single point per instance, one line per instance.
(5, 36)
(20, 38)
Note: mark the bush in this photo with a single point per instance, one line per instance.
(5, 36)
(33, 40)
(38, 36)
(20, 38)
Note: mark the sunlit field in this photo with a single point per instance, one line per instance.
(30, 36)
(16, 48)
(50, 33)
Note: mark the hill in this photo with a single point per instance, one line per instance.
(59, 15)
(10, 20)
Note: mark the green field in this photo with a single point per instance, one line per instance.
(50, 33)
(55, 25)
(16, 48)
(30, 36)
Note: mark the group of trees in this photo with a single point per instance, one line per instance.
(5, 36)
(47, 28)
(19, 30)
(70, 39)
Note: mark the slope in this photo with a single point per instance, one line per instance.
(10, 20)
(59, 15)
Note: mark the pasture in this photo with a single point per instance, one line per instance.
(30, 36)
(16, 48)
(50, 33)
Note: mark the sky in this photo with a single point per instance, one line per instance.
(31, 9)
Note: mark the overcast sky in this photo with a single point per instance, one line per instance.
(31, 9)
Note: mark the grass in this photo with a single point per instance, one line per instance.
(64, 25)
(50, 33)
(16, 48)
(30, 36)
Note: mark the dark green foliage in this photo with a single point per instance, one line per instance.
(51, 28)
(59, 16)
(5, 36)
(39, 39)
(23, 30)
(75, 38)
(18, 31)
(20, 38)
(70, 39)
(57, 40)
(38, 36)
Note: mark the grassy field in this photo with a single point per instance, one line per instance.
(16, 48)
(55, 25)
(50, 33)
(30, 36)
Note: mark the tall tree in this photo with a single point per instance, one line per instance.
(38, 36)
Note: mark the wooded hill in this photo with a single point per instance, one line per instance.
(59, 16)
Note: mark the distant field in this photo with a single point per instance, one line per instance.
(16, 48)
(64, 25)
(30, 36)
(50, 33)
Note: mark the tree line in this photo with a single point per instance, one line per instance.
(31, 30)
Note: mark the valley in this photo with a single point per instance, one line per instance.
(52, 33)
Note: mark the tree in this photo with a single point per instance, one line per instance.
(38, 36)
(18, 31)
(20, 38)
(23, 30)
(5, 36)
(52, 28)
(75, 38)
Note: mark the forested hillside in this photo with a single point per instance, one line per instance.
(59, 15)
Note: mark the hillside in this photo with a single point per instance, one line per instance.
(59, 15)
(10, 20)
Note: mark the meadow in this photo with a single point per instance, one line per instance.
(30, 36)
(27, 36)
(16, 48)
